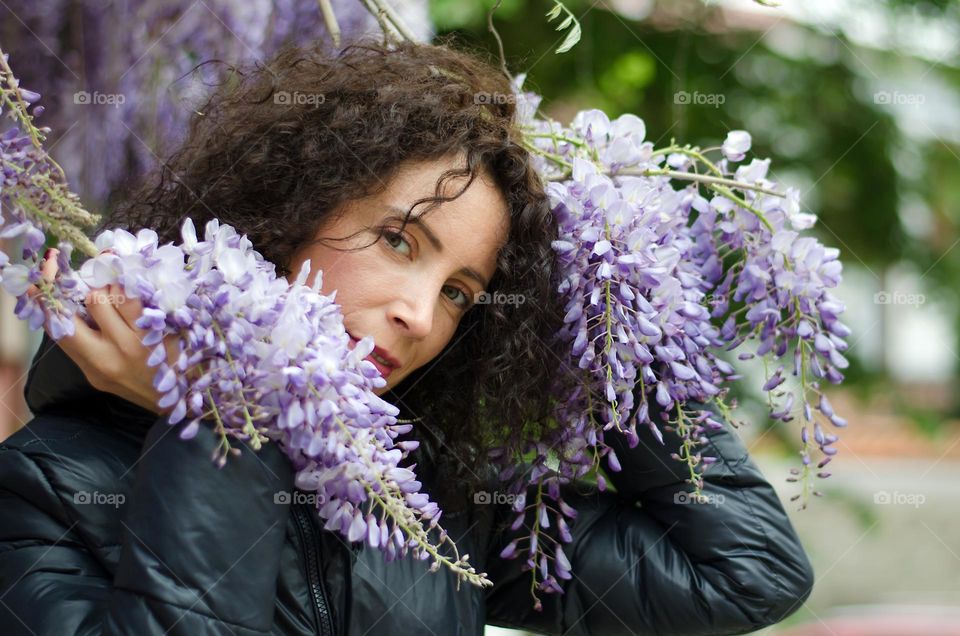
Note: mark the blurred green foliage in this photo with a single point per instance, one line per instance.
(810, 105)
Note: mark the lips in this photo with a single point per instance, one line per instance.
(384, 369)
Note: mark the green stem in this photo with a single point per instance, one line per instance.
(701, 178)
(683, 429)
(248, 427)
(398, 511)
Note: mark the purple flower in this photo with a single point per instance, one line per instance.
(736, 145)
(659, 285)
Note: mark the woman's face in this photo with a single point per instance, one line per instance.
(410, 291)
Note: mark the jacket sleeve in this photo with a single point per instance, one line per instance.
(199, 550)
(646, 560)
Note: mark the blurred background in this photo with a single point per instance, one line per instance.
(857, 102)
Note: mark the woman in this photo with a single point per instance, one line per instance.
(109, 524)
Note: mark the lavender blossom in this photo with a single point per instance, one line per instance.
(655, 304)
(660, 286)
(133, 100)
(261, 358)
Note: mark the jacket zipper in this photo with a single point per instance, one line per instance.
(321, 606)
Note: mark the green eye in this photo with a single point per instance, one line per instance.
(466, 299)
(389, 236)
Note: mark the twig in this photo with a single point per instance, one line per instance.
(703, 178)
(389, 32)
(496, 35)
(395, 20)
(677, 174)
(331, 21)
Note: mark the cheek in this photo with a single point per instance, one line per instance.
(430, 349)
(352, 274)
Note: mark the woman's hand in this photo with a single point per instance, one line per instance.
(111, 354)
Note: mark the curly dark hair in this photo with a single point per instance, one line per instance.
(276, 168)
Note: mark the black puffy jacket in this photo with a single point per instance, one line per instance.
(110, 524)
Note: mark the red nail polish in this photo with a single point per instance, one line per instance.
(46, 255)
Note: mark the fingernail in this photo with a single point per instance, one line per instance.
(46, 255)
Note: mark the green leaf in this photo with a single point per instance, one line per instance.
(572, 38)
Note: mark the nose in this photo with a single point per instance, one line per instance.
(413, 312)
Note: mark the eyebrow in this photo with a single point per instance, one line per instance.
(419, 222)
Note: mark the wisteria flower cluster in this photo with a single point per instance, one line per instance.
(135, 94)
(268, 359)
(662, 286)
(263, 358)
(675, 269)
(34, 197)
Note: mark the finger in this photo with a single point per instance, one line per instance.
(48, 271)
(129, 308)
(86, 345)
(112, 325)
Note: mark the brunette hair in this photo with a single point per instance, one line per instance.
(280, 145)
